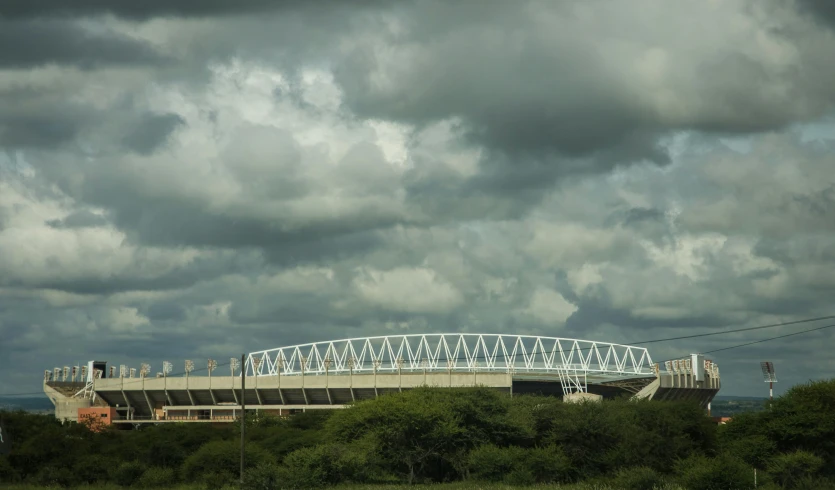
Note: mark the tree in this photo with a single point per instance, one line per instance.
(789, 469)
(411, 429)
(219, 461)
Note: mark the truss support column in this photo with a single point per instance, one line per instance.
(148, 401)
(257, 392)
(127, 402)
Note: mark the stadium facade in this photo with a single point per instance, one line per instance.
(329, 375)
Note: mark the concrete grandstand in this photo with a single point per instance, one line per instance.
(328, 375)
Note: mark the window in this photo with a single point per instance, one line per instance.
(104, 415)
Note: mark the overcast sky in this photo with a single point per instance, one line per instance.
(184, 179)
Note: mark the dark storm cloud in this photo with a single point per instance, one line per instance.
(524, 86)
(38, 130)
(32, 118)
(171, 222)
(822, 10)
(151, 132)
(26, 44)
(165, 311)
(154, 8)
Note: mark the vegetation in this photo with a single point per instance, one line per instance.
(476, 437)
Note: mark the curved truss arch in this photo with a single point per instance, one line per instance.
(454, 352)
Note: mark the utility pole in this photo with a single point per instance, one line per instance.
(243, 413)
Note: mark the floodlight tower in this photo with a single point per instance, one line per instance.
(769, 376)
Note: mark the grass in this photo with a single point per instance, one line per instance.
(443, 486)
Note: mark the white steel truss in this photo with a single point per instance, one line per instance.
(571, 359)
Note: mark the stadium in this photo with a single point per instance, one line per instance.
(331, 375)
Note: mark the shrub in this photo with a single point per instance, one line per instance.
(218, 462)
(7, 472)
(548, 464)
(266, 476)
(755, 450)
(492, 463)
(702, 473)
(789, 469)
(157, 477)
(328, 464)
(54, 476)
(126, 474)
(541, 464)
(638, 478)
(520, 477)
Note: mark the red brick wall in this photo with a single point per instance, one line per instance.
(96, 417)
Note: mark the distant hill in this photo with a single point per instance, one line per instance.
(739, 398)
(728, 406)
(29, 404)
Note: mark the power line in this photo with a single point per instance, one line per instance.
(773, 325)
(771, 338)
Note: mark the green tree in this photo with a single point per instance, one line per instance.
(702, 473)
(425, 431)
(218, 462)
(789, 469)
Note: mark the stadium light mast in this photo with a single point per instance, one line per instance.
(769, 377)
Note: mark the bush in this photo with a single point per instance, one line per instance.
(492, 463)
(638, 478)
(702, 473)
(7, 472)
(327, 464)
(217, 463)
(265, 476)
(548, 464)
(789, 469)
(540, 465)
(126, 474)
(814, 483)
(520, 477)
(756, 450)
(157, 477)
(54, 476)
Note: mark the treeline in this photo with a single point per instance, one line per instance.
(438, 435)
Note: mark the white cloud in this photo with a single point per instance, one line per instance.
(549, 307)
(409, 290)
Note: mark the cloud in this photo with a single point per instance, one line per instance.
(151, 132)
(25, 9)
(40, 42)
(549, 307)
(820, 10)
(505, 74)
(408, 290)
(579, 169)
